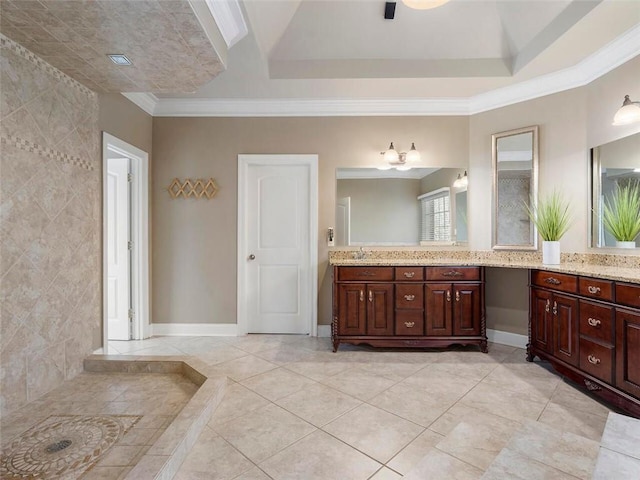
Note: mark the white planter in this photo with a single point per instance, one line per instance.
(550, 253)
(626, 244)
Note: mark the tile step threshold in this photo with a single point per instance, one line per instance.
(164, 458)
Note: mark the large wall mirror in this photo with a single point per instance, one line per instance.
(420, 206)
(613, 165)
(515, 185)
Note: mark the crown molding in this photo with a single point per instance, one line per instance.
(146, 101)
(304, 107)
(612, 55)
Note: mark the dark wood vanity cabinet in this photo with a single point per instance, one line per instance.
(589, 330)
(409, 306)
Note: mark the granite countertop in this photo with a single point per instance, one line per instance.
(624, 268)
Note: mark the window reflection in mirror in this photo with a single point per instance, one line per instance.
(515, 164)
(613, 164)
(375, 207)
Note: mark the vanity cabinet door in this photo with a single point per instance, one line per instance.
(565, 328)
(541, 318)
(628, 351)
(352, 309)
(380, 309)
(438, 308)
(466, 309)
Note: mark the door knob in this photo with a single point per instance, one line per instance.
(252, 257)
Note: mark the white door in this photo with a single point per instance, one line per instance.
(278, 253)
(118, 256)
(343, 221)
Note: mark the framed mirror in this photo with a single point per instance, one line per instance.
(420, 206)
(515, 185)
(613, 164)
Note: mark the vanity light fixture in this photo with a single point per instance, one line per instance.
(628, 113)
(461, 182)
(400, 160)
(424, 4)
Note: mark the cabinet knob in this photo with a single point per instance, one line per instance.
(457, 296)
(593, 290)
(409, 274)
(593, 360)
(361, 295)
(409, 324)
(448, 296)
(547, 307)
(594, 322)
(371, 295)
(409, 298)
(555, 308)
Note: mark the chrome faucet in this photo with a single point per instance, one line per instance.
(360, 254)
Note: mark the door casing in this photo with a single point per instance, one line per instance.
(139, 234)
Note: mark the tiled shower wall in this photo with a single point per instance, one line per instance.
(50, 226)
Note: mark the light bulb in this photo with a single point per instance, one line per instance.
(391, 155)
(413, 155)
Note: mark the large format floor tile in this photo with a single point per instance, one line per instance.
(318, 404)
(261, 433)
(479, 439)
(564, 451)
(439, 465)
(375, 432)
(622, 435)
(320, 456)
(295, 409)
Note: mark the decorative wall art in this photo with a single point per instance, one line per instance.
(197, 188)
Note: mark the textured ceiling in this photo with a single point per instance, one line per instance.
(168, 47)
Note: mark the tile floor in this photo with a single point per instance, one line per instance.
(295, 410)
(111, 418)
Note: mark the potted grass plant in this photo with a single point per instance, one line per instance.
(552, 218)
(621, 214)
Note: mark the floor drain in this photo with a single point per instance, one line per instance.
(58, 446)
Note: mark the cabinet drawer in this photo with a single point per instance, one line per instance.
(409, 322)
(453, 273)
(597, 359)
(409, 274)
(409, 296)
(556, 281)
(596, 321)
(365, 274)
(590, 287)
(628, 294)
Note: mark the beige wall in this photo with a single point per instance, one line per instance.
(570, 123)
(194, 254)
(194, 251)
(125, 120)
(50, 273)
(383, 210)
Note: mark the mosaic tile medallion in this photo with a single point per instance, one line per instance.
(63, 446)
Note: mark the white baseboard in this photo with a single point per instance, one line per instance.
(507, 338)
(195, 329)
(324, 330)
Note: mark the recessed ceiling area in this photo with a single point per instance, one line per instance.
(351, 39)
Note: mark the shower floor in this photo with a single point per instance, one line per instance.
(97, 425)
